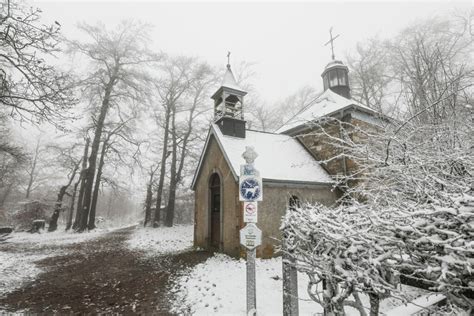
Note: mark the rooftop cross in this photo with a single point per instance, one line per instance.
(228, 59)
(331, 41)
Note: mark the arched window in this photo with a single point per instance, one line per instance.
(215, 181)
(294, 202)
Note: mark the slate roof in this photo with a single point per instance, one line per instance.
(280, 157)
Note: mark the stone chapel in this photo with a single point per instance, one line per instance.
(288, 161)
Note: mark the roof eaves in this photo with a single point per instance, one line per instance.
(213, 132)
(305, 126)
(308, 125)
(281, 182)
(201, 158)
(221, 146)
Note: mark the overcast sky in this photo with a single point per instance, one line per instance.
(285, 40)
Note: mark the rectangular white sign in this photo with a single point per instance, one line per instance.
(250, 212)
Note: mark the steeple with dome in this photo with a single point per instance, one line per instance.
(229, 105)
(336, 74)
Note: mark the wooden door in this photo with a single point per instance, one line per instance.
(215, 211)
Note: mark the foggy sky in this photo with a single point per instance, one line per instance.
(285, 40)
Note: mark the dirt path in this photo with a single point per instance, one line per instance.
(101, 276)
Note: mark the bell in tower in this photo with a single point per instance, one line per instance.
(228, 106)
(335, 75)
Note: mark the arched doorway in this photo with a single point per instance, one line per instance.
(215, 211)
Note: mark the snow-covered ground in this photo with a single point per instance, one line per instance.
(17, 268)
(20, 252)
(56, 238)
(157, 241)
(217, 286)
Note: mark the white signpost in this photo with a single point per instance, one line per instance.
(250, 191)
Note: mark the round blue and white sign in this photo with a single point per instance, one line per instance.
(250, 189)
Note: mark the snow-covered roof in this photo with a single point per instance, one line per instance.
(335, 63)
(229, 80)
(280, 157)
(326, 104)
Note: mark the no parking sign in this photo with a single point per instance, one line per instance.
(250, 212)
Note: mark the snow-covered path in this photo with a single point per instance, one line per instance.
(97, 275)
(19, 253)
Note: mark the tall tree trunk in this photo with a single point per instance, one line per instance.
(82, 179)
(53, 223)
(149, 197)
(161, 181)
(172, 191)
(91, 224)
(32, 171)
(71, 207)
(374, 304)
(90, 174)
(178, 174)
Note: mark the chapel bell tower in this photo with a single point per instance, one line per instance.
(335, 77)
(335, 74)
(228, 106)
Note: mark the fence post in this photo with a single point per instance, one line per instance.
(290, 282)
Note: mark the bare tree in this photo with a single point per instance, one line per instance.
(82, 180)
(200, 80)
(433, 59)
(426, 61)
(53, 223)
(170, 88)
(12, 158)
(71, 205)
(369, 75)
(149, 194)
(117, 77)
(33, 169)
(68, 159)
(119, 132)
(30, 87)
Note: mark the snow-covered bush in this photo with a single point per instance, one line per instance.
(359, 249)
(407, 214)
(336, 249)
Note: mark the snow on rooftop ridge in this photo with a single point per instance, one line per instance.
(280, 157)
(333, 63)
(229, 80)
(326, 104)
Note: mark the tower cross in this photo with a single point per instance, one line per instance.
(228, 59)
(332, 39)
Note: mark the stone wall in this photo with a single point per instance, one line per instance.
(321, 145)
(214, 161)
(274, 205)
